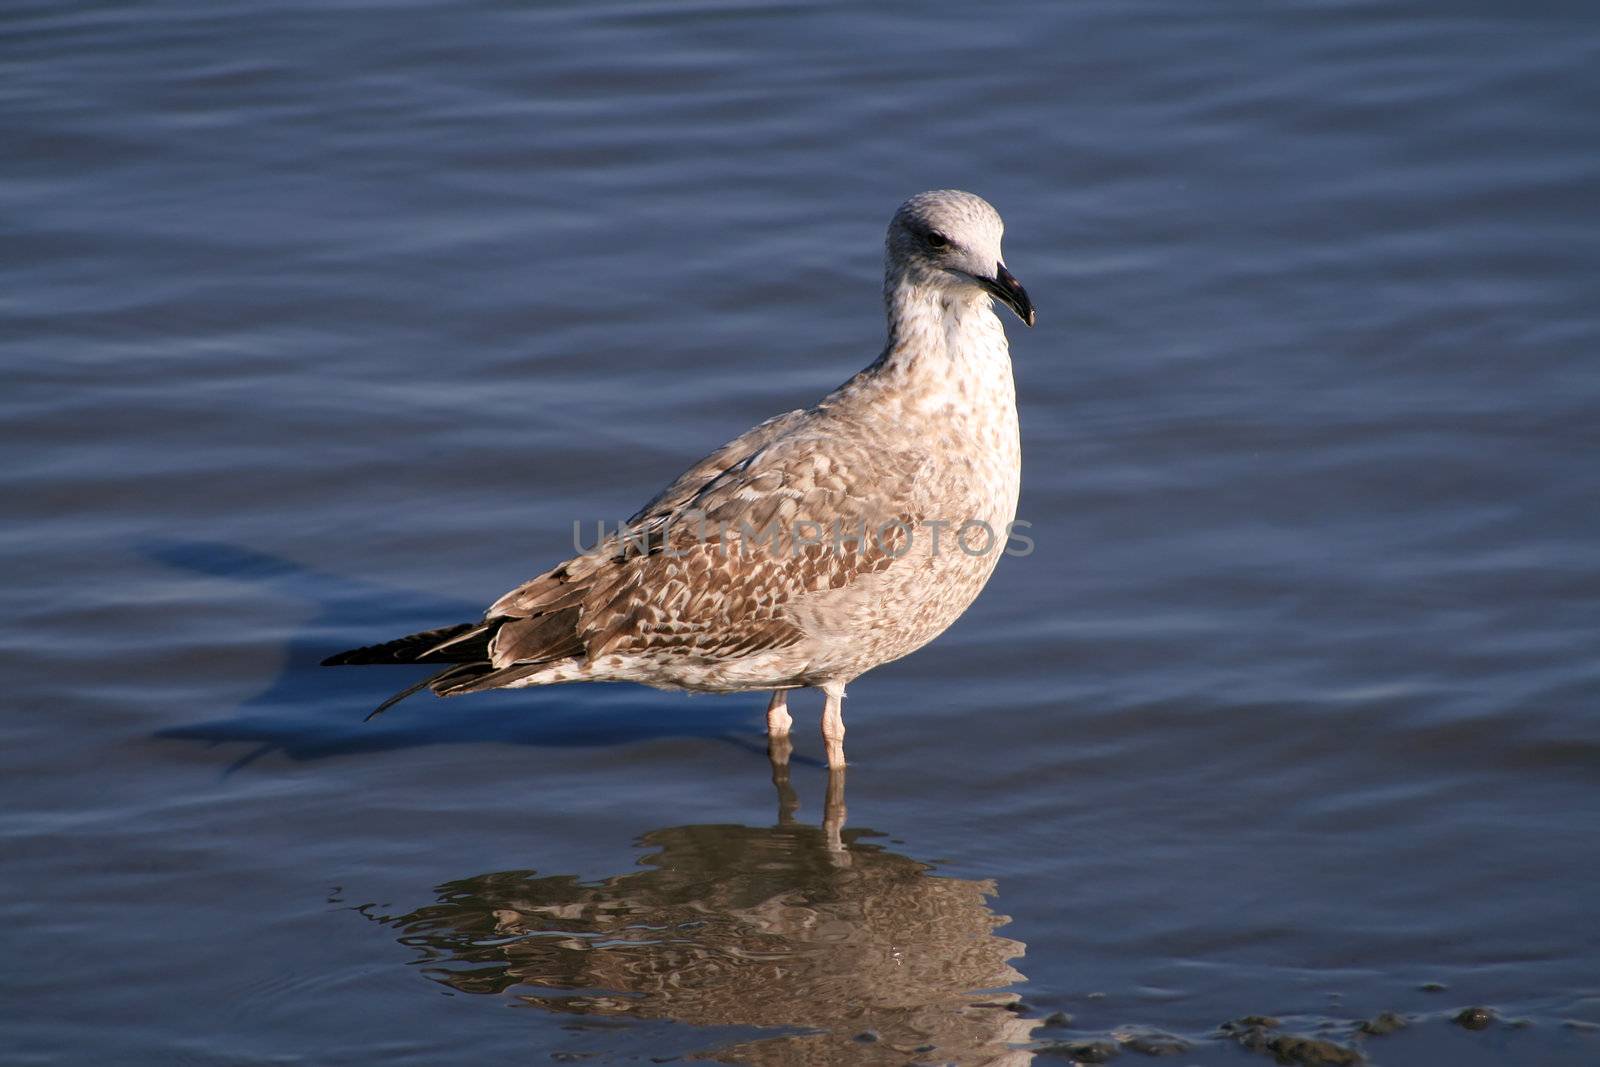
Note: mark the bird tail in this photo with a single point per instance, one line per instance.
(464, 648)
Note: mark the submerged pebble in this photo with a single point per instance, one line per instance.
(1474, 1018)
(1385, 1022)
(1155, 1043)
(1256, 1033)
(1311, 1050)
(1083, 1051)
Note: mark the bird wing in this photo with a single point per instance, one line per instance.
(692, 481)
(709, 568)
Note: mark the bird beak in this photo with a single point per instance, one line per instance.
(1005, 288)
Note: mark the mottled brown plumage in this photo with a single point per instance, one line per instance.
(807, 550)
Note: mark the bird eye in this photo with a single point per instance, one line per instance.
(937, 240)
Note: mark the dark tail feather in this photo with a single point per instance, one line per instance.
(465, 647)
(483, 676)
(436, 682)
(468, 642)
(398, 697)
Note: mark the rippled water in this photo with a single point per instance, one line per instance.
(323, 322)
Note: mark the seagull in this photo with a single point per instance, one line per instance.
(807, 551)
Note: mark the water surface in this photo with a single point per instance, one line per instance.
(323, 322)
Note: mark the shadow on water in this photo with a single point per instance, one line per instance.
(855, 954)
(309, 712)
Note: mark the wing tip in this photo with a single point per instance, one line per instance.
(425, 646)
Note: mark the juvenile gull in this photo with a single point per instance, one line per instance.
(811, 549)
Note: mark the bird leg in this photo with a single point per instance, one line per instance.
(788, 800)
(833, 816)
(833, 723)
(778, 720)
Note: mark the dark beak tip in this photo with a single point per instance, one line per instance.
(1005, 288)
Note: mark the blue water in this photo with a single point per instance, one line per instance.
(324, 321)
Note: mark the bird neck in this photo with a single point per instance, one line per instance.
(945, 368)
(938, 331)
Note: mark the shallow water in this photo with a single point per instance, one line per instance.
(324, 322)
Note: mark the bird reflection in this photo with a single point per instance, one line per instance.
(863, 955)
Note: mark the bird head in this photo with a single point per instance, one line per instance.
(950, 239)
